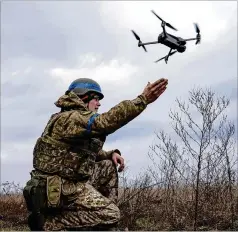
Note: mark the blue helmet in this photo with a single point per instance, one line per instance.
(83, 86)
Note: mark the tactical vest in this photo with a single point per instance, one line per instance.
(69, 161)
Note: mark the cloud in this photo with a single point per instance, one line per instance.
(212, 17)
(55, 43)
(115, 72)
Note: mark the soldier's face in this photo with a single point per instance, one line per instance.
(94, 104)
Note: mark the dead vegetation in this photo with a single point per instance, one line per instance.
(150, 208)
(13, 212)
(190, 186)
(146, 207)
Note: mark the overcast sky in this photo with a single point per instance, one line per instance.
(46, 45)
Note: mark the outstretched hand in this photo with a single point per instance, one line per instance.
(154, 90)
(117, 159)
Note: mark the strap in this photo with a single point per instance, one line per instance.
(90, 122)
(50, 140)
(80, 144)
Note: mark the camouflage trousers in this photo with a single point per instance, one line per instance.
(92, 204)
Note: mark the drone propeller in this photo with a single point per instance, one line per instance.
(166, 57)
(138, 38)
(167, 24)
(197, 29)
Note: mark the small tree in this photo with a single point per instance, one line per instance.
(203, 161)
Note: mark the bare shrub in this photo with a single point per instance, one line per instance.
(13, 212)
(204, 163)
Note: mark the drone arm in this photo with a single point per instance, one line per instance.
(198, 39)
(190, 39)
(167, 57)
(155, 42)
(163, 26)
(170, 52)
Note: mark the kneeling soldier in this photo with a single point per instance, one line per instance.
(74, 184)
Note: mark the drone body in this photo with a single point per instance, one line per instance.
(169, 40)
(172, 41)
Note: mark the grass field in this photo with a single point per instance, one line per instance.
(148, 209)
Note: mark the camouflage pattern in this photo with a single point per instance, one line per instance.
(80, 179)
(105, 179)
(92, 202)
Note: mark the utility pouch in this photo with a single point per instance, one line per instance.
(53, 191)
(35, 195)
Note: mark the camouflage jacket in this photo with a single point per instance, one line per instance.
(73, 138)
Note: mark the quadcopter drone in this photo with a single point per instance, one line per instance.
(171, 41)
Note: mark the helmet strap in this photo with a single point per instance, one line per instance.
(87, 97)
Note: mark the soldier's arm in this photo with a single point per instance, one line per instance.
(102, 154)
(88, 123)
(118, 116)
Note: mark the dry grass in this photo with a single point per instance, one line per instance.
(13, 212)
(160, 209)
(145, 209)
